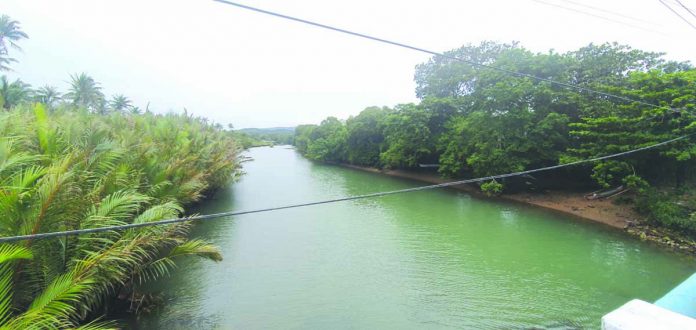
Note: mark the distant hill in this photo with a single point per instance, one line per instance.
(276, 135)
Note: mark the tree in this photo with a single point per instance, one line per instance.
(12, 94)
(365, 139)
(610, 63)
(47, 95)
(446, 77)
(85, 92)
(302, 137)
(120, 103)
(10, 34)
(477, 121)
(328, 141)
(408, 137)
(635, 125)
(485, 144)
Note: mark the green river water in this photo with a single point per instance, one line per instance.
(433, 259)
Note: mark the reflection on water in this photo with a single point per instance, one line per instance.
(434, 259)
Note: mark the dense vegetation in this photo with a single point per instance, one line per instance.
(78, 161)
(247, 141)
(271, 136)
(263, 137)
(477, 122)
(72, 169)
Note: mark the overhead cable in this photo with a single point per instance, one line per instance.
(423, 50)
(678, 14)
(686, 8)
(580, 4)
(597, 16)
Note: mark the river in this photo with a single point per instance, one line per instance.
(432, 259)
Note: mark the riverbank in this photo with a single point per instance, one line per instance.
(603, 211)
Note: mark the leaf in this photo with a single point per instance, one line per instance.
(9, 253)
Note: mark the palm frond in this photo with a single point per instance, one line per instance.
(55, 307)
(98, 325)
(198, 248)
(8, 253)
(70, 168)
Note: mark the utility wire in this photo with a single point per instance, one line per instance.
(597, 16)
(423, 50)
(677, 13)
(686, 8)
(328, 201)
(608, 11)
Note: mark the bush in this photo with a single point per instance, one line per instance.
(492, 188)
(663, 209)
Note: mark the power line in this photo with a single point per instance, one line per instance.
(686, 8)
(675, 2)
(328, 201)
(607, 11)
(423, 50)
(596, 16)
(677, 13)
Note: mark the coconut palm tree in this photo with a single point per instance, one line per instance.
(47, 95)
(85, 92)
(120, 103)
(135, 110)
(14, 93)
(10, 34)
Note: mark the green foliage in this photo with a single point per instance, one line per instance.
(10, 34)
(79, 166)
(477, 122)
(74, 169)
(270, 136)
(365, 141)
(408, 137)
(302, 137)
(85, 92)
(667, 209)
(47, 95)
(631, 126)
(120, 103)
(636, 183)
(492, 188)
(328, 141)
(14, 93)
(247, 141)
(443, 77)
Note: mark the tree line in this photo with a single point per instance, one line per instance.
(473, 122)
(271, 136)
(84, 92)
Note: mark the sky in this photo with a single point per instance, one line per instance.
(239, 67)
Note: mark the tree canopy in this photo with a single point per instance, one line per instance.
(10, 34)
(474, 121)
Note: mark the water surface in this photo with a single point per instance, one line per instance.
(434, 259)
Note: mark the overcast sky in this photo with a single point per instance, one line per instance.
(240, 67)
